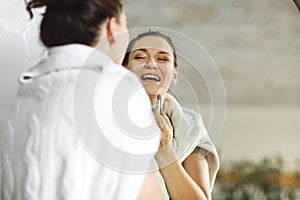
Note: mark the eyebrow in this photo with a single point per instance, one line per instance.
(145, 50)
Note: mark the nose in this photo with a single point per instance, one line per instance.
(151, 64)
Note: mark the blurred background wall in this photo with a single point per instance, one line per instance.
(254, 43)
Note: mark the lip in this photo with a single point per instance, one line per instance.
(150, 77)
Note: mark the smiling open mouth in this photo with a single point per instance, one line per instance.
(150, 77)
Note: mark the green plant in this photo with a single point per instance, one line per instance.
(262, 180)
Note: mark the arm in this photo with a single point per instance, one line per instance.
(187, 181)
(183, 182)
(196, 166)
(150, 189)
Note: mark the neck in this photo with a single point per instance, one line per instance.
(102, 46)
(102, 43)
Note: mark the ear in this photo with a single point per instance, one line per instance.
(111, 30)
(175, 76)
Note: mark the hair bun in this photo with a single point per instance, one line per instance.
(54, 5)
(63, 4)
(73, 21)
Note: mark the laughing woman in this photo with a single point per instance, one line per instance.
(187, 158)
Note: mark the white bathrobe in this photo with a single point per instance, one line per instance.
(64, 138)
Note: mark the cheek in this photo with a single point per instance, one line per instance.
(133, 68)
(134, 65)
(130, 66)
(126, 37)
(168, 74)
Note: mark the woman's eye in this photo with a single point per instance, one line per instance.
(162, 59)
(139, 57)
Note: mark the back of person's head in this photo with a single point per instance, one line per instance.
(74, 21)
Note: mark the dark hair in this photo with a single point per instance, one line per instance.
(142, 35)
(74, 21)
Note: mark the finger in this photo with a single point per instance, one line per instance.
(159, 119)
(162, 120)
(167, 120)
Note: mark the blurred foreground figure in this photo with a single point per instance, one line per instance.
(66, 138)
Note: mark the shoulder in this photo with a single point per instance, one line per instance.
(122, 105)
(122, 83)
(116, 69)
(120, 77)
(193, 127)
(193, 121)
(192, 117)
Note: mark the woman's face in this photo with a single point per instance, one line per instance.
(152, 60)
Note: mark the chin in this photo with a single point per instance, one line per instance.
(151, 91)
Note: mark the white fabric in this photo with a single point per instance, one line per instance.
(44, 154)
(190, 133)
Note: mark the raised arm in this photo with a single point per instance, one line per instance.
(188, 181)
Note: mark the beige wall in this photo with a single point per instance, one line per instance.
(256, 46)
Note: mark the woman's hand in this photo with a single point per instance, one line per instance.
(165, 155)
(166, 128)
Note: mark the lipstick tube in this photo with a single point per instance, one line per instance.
(158, 103)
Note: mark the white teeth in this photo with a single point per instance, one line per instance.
(150, 77)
